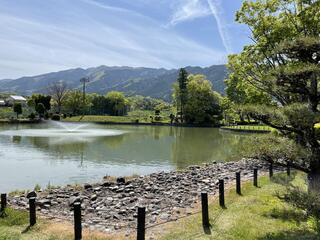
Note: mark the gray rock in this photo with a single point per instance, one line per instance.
(121, 180)
(87, 186)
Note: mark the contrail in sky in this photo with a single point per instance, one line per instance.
(217, 12)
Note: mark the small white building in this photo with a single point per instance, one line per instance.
(16, 99)
(2, 103)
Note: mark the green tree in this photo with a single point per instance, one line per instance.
(17, 108)
(39, 98)
(118, 102)
(202, 103)
(283, 62)
(240, 92)
(100, 105)
(40, 109)
(181, 92)
(74, 102)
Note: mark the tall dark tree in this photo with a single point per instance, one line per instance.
(17, 108)
(283, 62)
(39, 98)
(183, 94)
(40, 109)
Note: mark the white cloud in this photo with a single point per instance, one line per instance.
(217, 12)
(91, 35)
(186, 10)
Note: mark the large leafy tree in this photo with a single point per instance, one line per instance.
(283, 62)
(118, 102)
(39, 98)
(202, 104)
(74, 102)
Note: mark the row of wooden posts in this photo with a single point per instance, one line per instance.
(142, 210)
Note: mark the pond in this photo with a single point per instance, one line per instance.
(57, 153)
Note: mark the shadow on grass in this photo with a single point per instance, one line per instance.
(207, 230)
(3, 214)
(291, 235)
(26, 230)
(288, 215)
(283, 179)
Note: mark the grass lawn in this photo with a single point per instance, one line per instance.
(15, 227)
(249, 127)
(141, 116)
(257, 214)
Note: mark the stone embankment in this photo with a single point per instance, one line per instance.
(110, 206)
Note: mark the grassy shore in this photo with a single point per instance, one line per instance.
(248, 128)
(15, 227)
(256, 214)
(132, 117)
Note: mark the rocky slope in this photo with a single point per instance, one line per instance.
(110, 206)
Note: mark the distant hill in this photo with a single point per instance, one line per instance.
(133, 81)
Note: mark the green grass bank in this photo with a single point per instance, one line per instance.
(257, 214)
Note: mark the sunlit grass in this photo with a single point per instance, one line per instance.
(132, 117)
(249, 127)
(257, 214)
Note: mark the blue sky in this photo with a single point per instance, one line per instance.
(39, 36)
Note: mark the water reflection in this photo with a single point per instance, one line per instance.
(137, 150)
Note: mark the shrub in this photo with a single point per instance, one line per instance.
(157, 118)
(306, 201)
(55, 117)
(32, 116)
(37, 187)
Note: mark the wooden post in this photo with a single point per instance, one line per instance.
(221, 193)
(288, 170)
(32, 211)
(3, 201)
(238, 183)
(255, 177)
(77, 221)
(141, 223)
(205, 210)
(271, 170)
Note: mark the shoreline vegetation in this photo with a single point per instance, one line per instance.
(248, 128)
(256, 214)
(126, 120)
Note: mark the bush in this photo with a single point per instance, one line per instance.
(157, 118)
(309, 202)
(32, 116)
(55, 117)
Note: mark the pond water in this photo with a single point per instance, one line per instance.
(61, 153)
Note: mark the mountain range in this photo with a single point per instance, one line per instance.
(154, 82)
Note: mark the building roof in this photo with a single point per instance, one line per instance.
(18, 98)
